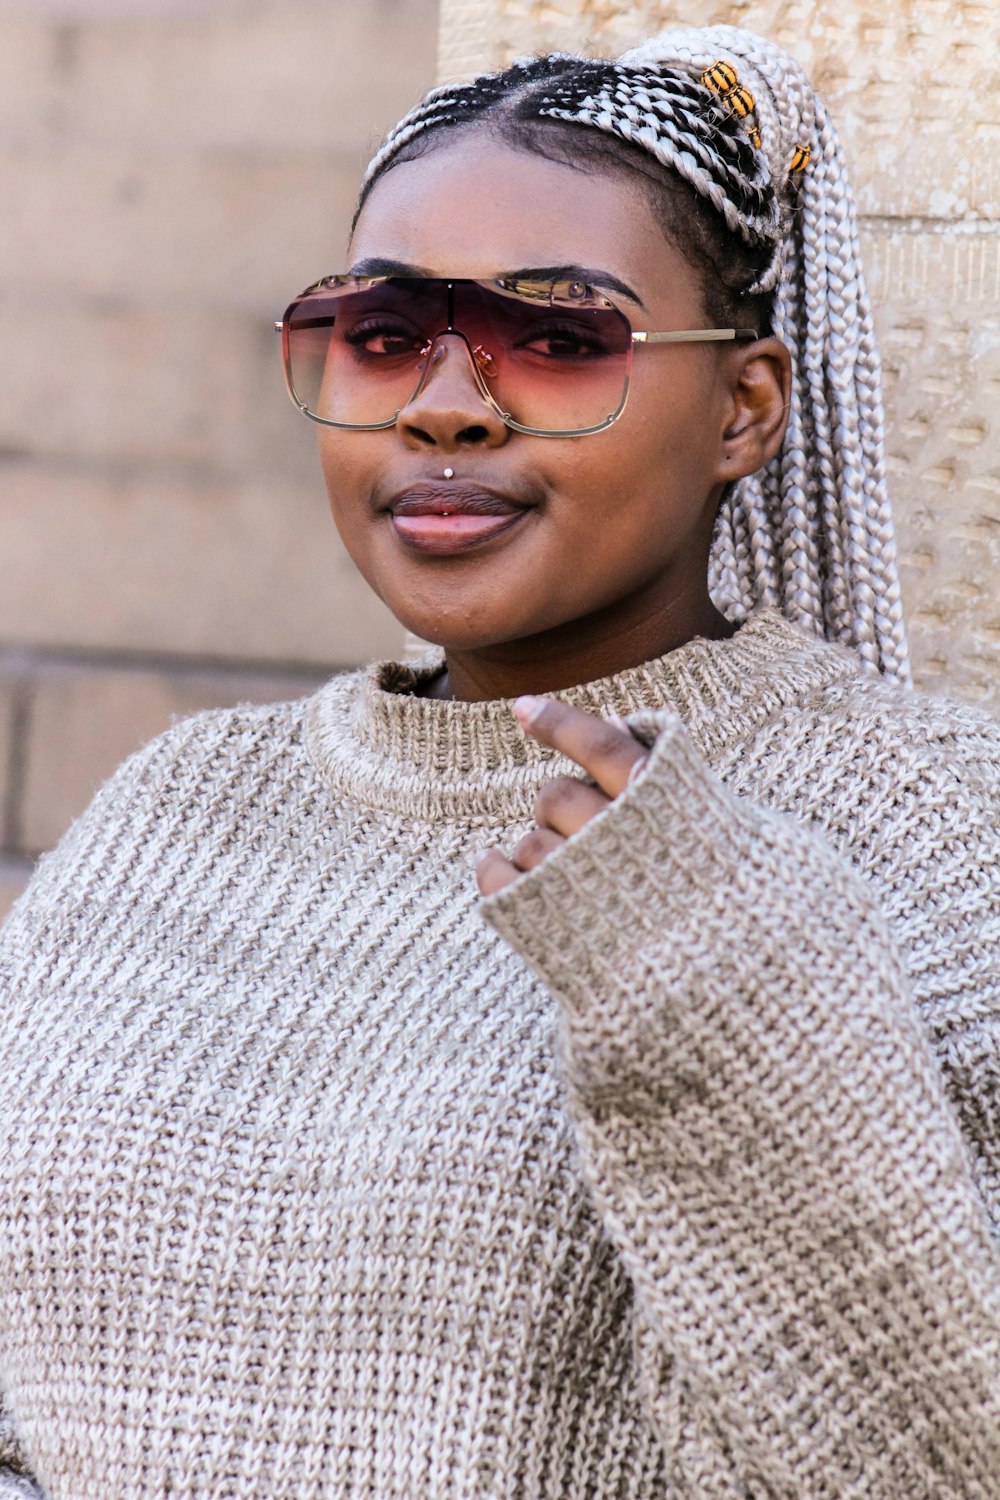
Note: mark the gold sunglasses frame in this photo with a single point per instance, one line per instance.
(530, 291)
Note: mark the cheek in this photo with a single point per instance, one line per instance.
(680, 417)
(347, 464)
(657, 465)
(341, 456)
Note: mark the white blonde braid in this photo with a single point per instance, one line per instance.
(812, 533)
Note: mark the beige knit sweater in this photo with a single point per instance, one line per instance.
(677, 1175)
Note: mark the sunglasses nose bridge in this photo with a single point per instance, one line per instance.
(436, 363)
(451, 404)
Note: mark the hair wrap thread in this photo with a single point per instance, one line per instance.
(812, 533)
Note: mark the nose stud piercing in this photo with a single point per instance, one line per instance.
(449, 473)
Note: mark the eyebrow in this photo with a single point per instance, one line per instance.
(594, 276)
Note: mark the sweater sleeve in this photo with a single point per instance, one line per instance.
(767, 1137)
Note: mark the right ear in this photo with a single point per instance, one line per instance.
(761, 387)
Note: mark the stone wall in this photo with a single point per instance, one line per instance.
(915, 90)
(174, 171)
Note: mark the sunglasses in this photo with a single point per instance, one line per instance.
(551, 358)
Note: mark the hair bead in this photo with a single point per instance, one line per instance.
(741, 100)
(721, 77)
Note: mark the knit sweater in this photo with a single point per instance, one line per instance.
(673, 1169)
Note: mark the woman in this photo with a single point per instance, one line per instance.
(677, 1174)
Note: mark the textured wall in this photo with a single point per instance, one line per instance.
(174, 171)
(914, 86)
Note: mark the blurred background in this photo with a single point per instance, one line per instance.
(174, 171)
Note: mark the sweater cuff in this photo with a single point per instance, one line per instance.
(665, 845)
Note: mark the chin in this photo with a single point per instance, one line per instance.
(446, 613)
(449, 636)
(454, 631)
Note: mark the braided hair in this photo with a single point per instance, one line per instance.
(777, 247)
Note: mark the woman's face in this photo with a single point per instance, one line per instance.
(611, 530)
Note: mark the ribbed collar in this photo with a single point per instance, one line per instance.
(376, 742)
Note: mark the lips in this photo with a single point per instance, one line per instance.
(452, 517)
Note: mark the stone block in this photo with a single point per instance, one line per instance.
(941, 364)
(84, 721)
(307, 75)
(182, 562)
(139, 228)
(127, 382)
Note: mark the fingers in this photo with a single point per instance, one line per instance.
(606, 751)
(566, 804)
(494, 870)
(604, 748)
(534, 847)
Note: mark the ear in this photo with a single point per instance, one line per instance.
(760, 394)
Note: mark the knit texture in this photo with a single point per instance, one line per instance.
(679, 1175)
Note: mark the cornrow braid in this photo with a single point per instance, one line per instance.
(668, 116)
(811, 534)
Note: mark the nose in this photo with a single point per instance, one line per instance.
(450, 409)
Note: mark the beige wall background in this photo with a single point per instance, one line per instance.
(175, 170)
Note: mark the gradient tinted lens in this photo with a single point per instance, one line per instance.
(550, 360)
(353, 353)
(554, 362)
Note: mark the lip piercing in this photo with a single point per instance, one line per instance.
(449, 473)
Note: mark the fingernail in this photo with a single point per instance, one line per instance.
(527, 708)
(482, 855)
(619, 723)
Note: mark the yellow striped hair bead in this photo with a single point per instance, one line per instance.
(800, 159)
(720, 77)
(741, 100)
(754, 135)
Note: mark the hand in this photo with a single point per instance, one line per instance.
(604, 748)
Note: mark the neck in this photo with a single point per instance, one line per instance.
(582, 651)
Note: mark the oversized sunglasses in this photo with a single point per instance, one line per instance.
(551, 358)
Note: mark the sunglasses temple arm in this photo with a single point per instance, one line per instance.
(695, 336)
